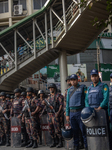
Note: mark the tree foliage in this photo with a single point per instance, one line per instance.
(97, 22)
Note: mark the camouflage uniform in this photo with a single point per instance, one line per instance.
(3, 121)
(32, 124)
(54, 122)
(16, 107)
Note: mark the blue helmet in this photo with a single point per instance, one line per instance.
(87, 116)
(67, 134)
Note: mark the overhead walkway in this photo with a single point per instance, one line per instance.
(59, 26)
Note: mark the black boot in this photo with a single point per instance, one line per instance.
(86, 148)
(24, 141)
(1, 141)
(53, 143)
(35, 145)
(57, 140)
(40, 143)
(81, 143)
(30, 144)
(7, 140)
(76, 148)
(60, 143)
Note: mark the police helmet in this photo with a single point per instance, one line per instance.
(3, 94)
(17, 90)
(88, 116)
(7, 96)
(52, 85)
(29, 89)
(12, 96)
(67, 133)
(41, 92)
(68, 78)
(23, 94)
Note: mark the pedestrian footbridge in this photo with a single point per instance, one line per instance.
(60, 26)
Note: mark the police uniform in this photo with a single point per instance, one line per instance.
(41, 112)
(75, 103)
(23, 126)
(16, 107)
(54, 122)
(32, 122)
(4, 122)
(98, 95)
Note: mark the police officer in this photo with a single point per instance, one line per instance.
(5, 108)
(56, 102)
(17, 104)
(31, 121)
(98, 93)
(8, 97)
(41, 97)
(74, 105)
(23, 127)
(34, 94)
(11, 98)
(23, 95)
(68, 85)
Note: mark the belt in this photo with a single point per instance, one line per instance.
(75, 110)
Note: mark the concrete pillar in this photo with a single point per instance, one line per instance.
(10, 4)
(78, 58)
(63, 70)
(30, 6)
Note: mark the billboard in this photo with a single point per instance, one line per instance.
(106, 70)
(79, 70)
(53, 73)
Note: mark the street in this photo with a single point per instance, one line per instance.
(23, 148)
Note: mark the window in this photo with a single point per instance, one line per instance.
(20, 2)
(4, 7)
(38, 4)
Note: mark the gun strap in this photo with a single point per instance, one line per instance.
(73, 92)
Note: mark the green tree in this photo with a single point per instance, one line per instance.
(96, 20)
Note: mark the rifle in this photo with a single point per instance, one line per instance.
(5, 115)
(49, 105)
(28, 107)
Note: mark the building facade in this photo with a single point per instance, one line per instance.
(12, 11)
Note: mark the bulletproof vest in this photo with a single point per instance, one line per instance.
(78, 97)
(54, 104)
(95, 95)
(17, 106)
(110, 97)
(33, 105)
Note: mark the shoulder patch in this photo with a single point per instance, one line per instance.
(85, 91)
(105, 89)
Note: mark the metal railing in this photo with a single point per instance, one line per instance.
(25, 51)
